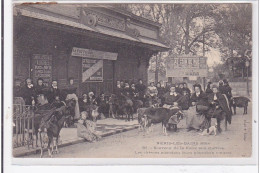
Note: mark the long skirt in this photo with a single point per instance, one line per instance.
(77, 112)
(87, 132)
(193, 119)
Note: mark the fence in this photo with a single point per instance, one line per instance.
(23, 124)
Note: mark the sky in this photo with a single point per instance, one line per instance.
(214, 57)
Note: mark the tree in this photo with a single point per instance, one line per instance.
(235, 30)
(196, 28)
(196, 21)
(183, 27)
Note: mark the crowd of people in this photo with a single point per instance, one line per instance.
(214, 102)
(200, 106)
(152, 93)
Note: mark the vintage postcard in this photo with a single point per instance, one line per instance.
(134, 80)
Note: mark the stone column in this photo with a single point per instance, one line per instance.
(143, 64)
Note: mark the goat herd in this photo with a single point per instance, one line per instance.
(49, 121)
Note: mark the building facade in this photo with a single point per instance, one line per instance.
(96, 45)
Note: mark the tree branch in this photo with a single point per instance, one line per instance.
(199, 35)
(201, 41)
(181, 44)
(183, 30)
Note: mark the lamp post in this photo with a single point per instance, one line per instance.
(247, 67)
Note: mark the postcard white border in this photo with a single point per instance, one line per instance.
(125, 161)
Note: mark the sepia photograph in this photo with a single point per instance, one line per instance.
(132, 80)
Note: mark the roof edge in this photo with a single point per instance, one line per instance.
(132, 15)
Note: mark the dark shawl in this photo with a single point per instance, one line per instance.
(169, 99)
(223, 103)
(202, 99)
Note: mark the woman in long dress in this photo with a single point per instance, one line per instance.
(86, 128)
(219, 107)
(196, 115)
(171, 97)
(71, 94)
(151, 94)
(160, 94)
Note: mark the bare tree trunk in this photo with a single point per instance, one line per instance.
(231, 55)
(187, 35)
(156, 70)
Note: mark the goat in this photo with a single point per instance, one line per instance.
(54, 124)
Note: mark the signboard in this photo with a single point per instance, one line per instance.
(94, 54)
(186, 66)
(42, 68)
(106, 20)
(92, 70)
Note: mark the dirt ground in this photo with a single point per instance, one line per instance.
(235, 142)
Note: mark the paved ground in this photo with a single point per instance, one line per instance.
(236, 142)
(69, 136)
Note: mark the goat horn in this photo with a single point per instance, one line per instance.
(64, 103)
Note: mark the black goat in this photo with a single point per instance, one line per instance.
(54, 124)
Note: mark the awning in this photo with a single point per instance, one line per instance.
(105, 31)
